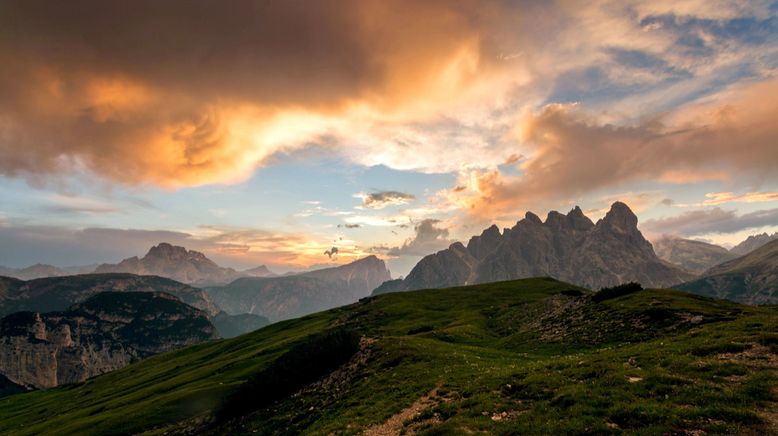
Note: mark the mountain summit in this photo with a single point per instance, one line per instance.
(174, 262)
(567, 247)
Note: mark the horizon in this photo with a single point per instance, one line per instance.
(314, 267)
(376, 128)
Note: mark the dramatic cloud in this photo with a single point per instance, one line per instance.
(182, 93)
(715, 220)
(429, 239)
(379, 200)
(575, 153)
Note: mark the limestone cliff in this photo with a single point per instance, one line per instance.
(106, 332)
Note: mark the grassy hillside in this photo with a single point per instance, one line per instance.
(531, 356)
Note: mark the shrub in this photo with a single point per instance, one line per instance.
(420, 329)
(616, 291)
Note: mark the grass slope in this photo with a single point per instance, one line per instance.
(528, 356)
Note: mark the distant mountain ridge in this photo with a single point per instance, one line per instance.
(752, 243)
(58, 293)
(751, 279)
(174, 262)
(567, 247)
(694, 256)
(290, 296)
(106, 332)
(259, 271)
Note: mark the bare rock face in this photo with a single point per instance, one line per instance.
(693, 256)
(174, 262)
(450, 267)
(567, 247)
(108, 331)
(58, 293)
(285, 297)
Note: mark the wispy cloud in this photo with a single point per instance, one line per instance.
(729, 197)
(382, 199)
(714, 220)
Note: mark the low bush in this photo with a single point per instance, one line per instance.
(616, 291)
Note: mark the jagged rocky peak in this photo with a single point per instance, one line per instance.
(530, 217)
(166, 250)
(578, 220)
(620, 217)
(556, 219)
(567, 247)
(177, 263)
(752, 243)
(483, 245)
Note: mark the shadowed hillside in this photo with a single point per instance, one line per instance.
(533, 356)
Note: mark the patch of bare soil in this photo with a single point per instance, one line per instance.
(395, 425)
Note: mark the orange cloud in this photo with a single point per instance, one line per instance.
(574, 153)
(730, 197)
(155, 94)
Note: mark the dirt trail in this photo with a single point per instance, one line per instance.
(394, 425)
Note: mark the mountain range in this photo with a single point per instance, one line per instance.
(279, 298)
(751, 279)
(752, 243)
(164, 260)
(567, 247)
(177, 263)
(693, 256)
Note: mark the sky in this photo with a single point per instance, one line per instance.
(270, 132)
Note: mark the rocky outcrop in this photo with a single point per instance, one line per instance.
(752, 243)
(693, 256)
(106, 332)
(58, 293)
(285, 297)
(446, 268)
(750, 279)
(567, 247)
(177, 263)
